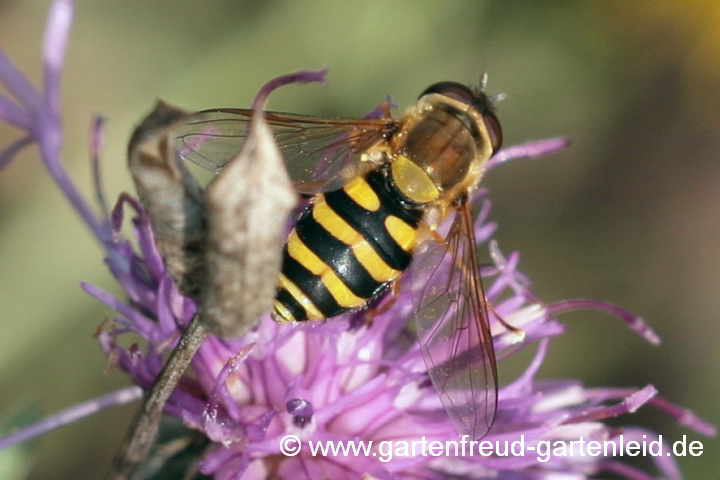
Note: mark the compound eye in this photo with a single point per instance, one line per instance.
(455, 90)
(494, 131)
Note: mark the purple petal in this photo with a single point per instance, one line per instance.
(10, 152)
(628, 405)
(665, 463)
(163, 311)
(14, 114)
(50, 144)
(303, 76)
(211, 426)
(18, 84)
(143, 325)
(685, 417)
(523, 384)
(483, 214)
(479, 194)
(216, 459)
(97, 143)
(118, 213)
(81, 410)
(529, 150)
(379, 111)
(625, 470)
(57, 33)
(636, 323)
(484, 231)
(367, 390)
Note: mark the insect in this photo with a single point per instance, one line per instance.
(380, 188)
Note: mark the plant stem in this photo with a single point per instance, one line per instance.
(144, 429)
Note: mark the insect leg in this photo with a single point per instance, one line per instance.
(371, 313)
(514, 330)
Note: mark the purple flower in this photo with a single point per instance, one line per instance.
(343, 381)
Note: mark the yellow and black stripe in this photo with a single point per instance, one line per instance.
(345, 249)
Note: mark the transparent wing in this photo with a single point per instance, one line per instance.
(321, 154)
(451, 320)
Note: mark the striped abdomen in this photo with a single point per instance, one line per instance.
(345, 249)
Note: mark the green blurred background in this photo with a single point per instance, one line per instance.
(630, 213)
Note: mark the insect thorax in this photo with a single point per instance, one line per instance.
(435, 151)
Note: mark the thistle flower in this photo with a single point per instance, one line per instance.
(343, 381)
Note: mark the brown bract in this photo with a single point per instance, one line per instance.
(248, 207)
(173, 200)
(222, 246)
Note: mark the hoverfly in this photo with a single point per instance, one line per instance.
(380, 188)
